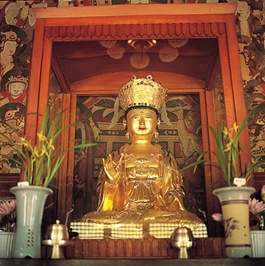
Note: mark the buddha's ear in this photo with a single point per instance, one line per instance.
(124, 123)
(158, 122)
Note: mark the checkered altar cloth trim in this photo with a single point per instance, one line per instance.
(134, 231)
(159, 230)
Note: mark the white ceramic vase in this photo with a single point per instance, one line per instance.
(6, 244)
(235, 210)
(258, 243)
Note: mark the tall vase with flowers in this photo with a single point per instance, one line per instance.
(7, 226)
(234, 196)
(40, 163)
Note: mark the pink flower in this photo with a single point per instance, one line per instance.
(256, 206)
(218, 217)
(7, 207)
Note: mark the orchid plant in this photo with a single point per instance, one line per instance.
(41, 161)
(228, 153)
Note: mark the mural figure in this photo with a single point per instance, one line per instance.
(12, 122)
(15, 85)
(187, 126)
(244, 20)
(12, 44)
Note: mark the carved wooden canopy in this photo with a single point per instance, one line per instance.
(203, 24)
(67, 40)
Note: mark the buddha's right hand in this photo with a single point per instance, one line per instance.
(112, 168)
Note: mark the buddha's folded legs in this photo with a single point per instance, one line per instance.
(147, 216)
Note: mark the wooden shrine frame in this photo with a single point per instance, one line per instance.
(136, 22)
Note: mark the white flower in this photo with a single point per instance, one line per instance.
(256, 206)
(7, 207)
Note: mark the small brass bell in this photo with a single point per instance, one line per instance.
(182, 239)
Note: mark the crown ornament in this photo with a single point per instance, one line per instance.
(18, 78)
(142, 92)
(10, 36)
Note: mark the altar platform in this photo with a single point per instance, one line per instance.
(137, 252)
(135, 262)
(148, 248)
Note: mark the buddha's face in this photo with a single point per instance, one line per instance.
(141, 122)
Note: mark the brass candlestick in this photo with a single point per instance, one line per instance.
(182, 239)
(57, 237)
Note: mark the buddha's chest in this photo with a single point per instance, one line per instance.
(142, 168)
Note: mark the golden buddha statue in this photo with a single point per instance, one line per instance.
(141, 182)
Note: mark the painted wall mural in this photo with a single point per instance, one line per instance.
(250, 21)
(16, 30)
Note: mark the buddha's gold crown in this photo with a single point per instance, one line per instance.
(142, 92)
